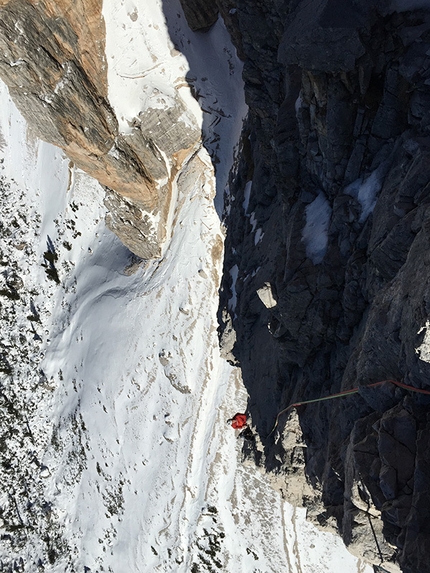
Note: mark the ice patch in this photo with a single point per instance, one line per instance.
(315, 232)
(258, 236)
(366, 191)
(299, 102)
(246, 195)
(423, 350)
(234, 271)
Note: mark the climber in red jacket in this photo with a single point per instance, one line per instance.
(238, 421)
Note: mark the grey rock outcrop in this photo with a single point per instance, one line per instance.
(337, 147)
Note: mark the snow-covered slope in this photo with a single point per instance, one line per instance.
(115, 448)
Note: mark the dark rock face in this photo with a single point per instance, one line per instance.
(336, 225)
(200, 14)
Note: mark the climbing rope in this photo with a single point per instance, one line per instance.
(348, 393)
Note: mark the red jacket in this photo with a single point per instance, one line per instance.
(238, 421)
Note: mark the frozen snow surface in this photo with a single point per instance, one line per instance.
(366, 192)
(247, 196)
(125, 393)
(423, 350)
(145, 71)
(315, 231)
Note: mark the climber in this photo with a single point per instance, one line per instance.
(238, 421)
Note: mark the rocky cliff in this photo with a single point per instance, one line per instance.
(53, 61)
(326, 275)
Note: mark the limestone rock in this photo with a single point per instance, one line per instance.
(53, 61)
(133, 225)
(265, 294)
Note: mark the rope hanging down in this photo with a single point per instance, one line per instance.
(347, 393)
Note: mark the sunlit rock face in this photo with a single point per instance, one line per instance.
(54, 63)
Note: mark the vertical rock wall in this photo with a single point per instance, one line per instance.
(326, 267)
(335, 225)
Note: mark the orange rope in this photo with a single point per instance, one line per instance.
(347, 393)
